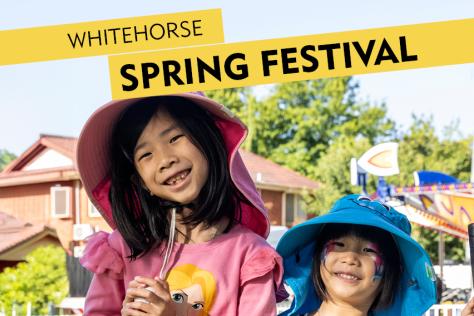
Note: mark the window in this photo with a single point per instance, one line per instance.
(93, 212)
(294, 210)
(290, 209)
(300, 210)
(61, 201)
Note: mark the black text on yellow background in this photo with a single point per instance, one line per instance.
(111, 36)
(290, 59)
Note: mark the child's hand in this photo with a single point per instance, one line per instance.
(468, 310)
(155, 298)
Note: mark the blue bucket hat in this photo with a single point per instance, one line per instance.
(417, 291)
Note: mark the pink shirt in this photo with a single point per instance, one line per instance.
(235, 274)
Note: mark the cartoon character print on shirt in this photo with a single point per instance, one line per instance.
(192, 290)
(378, 261)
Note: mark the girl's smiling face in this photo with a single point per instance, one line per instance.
(169, 164)
(351, 270)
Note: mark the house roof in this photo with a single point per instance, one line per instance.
(15, 233)
(62, 144)
(264, 172)
(17, 173)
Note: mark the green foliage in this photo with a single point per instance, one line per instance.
(40, 279)
(236, 99)
(243, 104)
(333, 170)
(429, 240)
(5, 158)
(315, 127)
(421, 149)
(300, 120)
(296, 124)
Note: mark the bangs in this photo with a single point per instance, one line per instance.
(369, 233)
(390, 283)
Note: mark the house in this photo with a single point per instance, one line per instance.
(281, 189)
(18, 238)
(42, 186)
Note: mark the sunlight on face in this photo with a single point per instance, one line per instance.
(351, 269)
(169, 164)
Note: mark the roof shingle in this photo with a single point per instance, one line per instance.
(14, 231)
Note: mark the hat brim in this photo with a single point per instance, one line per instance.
(304, 233)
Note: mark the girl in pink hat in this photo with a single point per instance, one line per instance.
(189, 225)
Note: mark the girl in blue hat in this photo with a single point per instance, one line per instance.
(358, 259)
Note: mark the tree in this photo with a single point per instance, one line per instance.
(298, 123)
(429, 240)
(243, 104)
(40, 279)
(421, 149)
(5, 158)
(332, 170)
(303, 119)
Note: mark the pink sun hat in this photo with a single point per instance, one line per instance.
(93, 157)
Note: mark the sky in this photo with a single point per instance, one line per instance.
(57, 97)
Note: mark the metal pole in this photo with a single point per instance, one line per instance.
(441, 254)
(50, 308)
(472, 162)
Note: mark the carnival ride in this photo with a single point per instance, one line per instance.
(437, 201)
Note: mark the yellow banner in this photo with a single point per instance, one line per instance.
(291, 59)
(111, 36)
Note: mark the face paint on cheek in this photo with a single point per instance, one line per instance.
(328, 247)
(378, 262)
(378, 268)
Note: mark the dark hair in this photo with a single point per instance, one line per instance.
(392, 265)
(142, 219)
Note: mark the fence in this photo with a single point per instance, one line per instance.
(435, 310)
(22, 310)
(69, 306)
(445, 310)
(79, 277)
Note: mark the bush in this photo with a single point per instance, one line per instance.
(39, 280)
